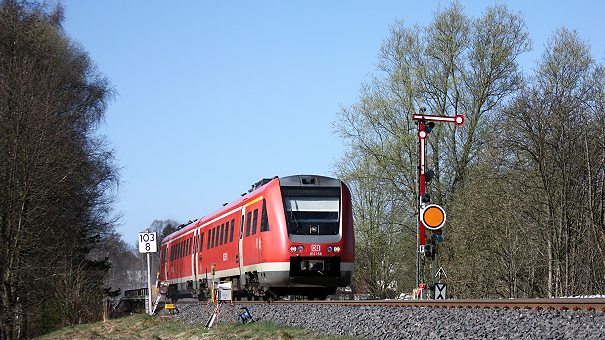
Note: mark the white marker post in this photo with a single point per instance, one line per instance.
(148, 244)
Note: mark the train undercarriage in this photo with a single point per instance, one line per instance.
(308, 277)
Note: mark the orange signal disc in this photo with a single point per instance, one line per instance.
(433, 216)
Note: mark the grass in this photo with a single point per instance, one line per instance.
(148, 327)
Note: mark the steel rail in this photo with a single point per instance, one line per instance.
(586, 304)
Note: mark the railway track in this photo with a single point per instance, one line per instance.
(575, 304)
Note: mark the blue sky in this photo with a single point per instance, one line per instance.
(212, 96)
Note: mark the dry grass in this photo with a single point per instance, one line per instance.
(146, 327)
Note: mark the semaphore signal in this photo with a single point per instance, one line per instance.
(430, 216)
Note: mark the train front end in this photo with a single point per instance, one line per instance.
(320, 241)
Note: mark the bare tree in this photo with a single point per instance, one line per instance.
(56, 177)
(455, 65)
(552, 126)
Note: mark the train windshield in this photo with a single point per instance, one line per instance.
(312, 212)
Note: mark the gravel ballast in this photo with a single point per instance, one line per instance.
(413, 323)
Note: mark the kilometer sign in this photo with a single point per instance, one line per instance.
(148, 243)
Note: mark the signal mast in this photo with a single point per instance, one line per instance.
(430, 216)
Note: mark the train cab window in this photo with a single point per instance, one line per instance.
(254, 221)
(232, 229)
(248, 221)
(201, 242)
(312, 211)
(221, 234)
(264, 220)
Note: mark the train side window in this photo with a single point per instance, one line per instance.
(212, 238)
(189, 246)
(232, 229)
(186, 250)
(226, 232)
(264, 220)
(248, 221)
(201, 242)
(221, 233)
(208, 243)
(254, 221)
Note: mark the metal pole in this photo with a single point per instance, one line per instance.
(149, 284)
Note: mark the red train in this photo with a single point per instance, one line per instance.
(286, 236)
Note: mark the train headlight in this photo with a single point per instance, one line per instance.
(337, 249)
(300, 249)
(330, 249)
(293, 248)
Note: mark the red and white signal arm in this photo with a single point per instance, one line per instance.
(148, 243)
(432, 216)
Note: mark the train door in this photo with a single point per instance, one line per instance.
(240, 255)
(164, 260)
(199, 254)
(193, 246)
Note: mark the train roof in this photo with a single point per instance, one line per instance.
(294, 180)
(255, 188)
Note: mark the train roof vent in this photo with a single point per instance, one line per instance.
(260, 183)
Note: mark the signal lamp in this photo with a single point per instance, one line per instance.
(429, 127)
(432, 216)
(428, 176)
(459, 120)
(438, 235)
